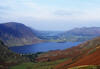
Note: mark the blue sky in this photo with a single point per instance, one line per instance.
(51, 14)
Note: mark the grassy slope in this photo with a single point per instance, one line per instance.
(86, 67)
(39, 65)
(8, 58)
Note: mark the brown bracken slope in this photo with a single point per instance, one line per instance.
(90, 55)
(92, 59)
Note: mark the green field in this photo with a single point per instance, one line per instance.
(39, 65)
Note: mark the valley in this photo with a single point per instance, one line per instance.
(78, 57)
(49, 34)
(25, 48)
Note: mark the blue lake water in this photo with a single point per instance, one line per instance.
(42, 47)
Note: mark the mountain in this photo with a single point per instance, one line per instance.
(16, 34)
(80, 34)
(8, 58)
(85, 31)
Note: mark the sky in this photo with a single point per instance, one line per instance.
(55, 15)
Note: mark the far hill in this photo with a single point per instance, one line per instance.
(16, 34)
(85, 31)
(80, 34)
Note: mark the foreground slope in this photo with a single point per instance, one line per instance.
(86, 67)
(16, 34)
(8, 58)
(90, 55)
(92, 59)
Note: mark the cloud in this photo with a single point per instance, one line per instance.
(29, 11)
(68, 12)
(63, 13)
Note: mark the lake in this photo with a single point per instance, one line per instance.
(42, 47)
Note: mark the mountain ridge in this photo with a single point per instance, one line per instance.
(80, 34)
(17, 34)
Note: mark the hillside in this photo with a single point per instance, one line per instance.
(16, 34)
(89, 55)
(8, 58)
(92, 59)
(85, 31)
(80, 34)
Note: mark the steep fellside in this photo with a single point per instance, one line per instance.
(8, 58)
(89, 55)
(16, 34)
(92, 59)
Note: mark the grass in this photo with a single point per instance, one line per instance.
(39, 65)
(23, 66)
(92, 51)
(86, 67)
